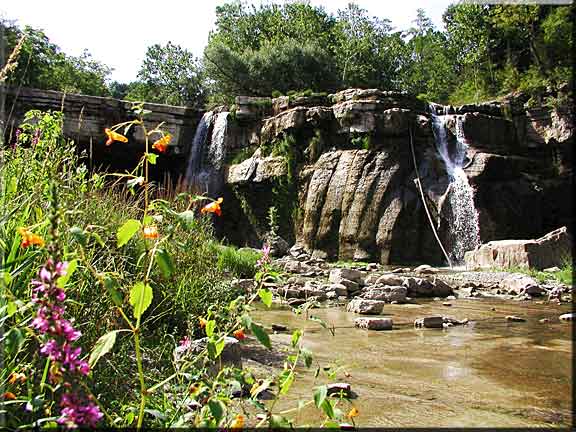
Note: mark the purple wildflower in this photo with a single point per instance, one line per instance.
(61, 333)
(77, 412)
(265, 258)
(36, 137)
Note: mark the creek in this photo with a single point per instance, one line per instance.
(488, 373)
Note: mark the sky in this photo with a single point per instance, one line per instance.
(118, 32)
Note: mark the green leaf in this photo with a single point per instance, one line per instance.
(103, 345)
(127, 231)
(217, 409)
(186, 216)
(296, 337)
(261, 335)
(111, 285)
(98, 239)
(246, 321)
(165, 263)
(320, 395)
(286, 383)
(327, 408)
(78, 234)
(307, 356)
(61, 282)
(11, 308)
(151, 157)
(219, 346)
(278, 421)
(13, 340)
(140, 298)
(266, 296)
(210, 326)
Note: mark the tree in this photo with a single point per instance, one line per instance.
(428, 70)
(170, 75)
(366, 52)
(43, 65)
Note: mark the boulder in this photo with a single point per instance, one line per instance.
(567, 317)
(297, 267)
(339, 289)
(547, 251)
(390, 279)
(374, 323)
(278, 246)
(288, 292)
(243, 284)
(386, 293)
(518, 284)
(441, 288)
(425, 269)
(338, 274)
(418, 287)
(365, 307)
(340, 388)
(231, 354)
(257, 170)
(371, 279)
(515, 318)
(430, 322)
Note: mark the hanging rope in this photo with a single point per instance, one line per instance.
(424, 200)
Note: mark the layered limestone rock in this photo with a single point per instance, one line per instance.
(547, 251)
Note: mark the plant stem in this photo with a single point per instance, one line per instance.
(141, 377)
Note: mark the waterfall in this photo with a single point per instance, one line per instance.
(217, 149)
(464, 228)
(206, 157)
(197, 149)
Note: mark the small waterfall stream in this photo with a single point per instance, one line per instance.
(464, 226)
(207, 154)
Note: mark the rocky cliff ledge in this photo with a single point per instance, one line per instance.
(339, 168)
(85, 118)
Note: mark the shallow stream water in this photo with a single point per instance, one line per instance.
(489, 373)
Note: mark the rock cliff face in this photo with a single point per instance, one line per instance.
(85, 118)
(339, 169)
(348, 157)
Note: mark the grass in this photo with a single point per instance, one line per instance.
(564, 275)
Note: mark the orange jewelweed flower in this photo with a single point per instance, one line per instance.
(150, 232)
(162, 144)
(213, 207)
(239, 334)
(202, 322)
(9, 396)
(238, 422)
(16, 376)
(353, 412)
(29, 238)
(114, 136)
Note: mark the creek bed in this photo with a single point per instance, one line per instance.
(488, 373)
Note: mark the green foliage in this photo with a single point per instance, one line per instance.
(239, 263)
(42, 65)
(170, 75)
(239, 156)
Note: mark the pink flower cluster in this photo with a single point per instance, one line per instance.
(265, 258)
(59, 348)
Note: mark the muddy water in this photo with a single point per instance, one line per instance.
(489, 373)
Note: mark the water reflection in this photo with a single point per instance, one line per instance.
(488, 373)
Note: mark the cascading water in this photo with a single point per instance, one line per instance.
(217, 149)
(197, 149)
(206, 158)
(464, 227)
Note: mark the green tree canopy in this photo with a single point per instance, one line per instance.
(43, 65)
(170, 75)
